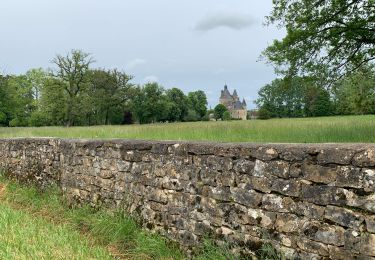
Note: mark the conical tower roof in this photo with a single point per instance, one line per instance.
(225, 92)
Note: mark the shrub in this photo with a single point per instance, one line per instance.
(226, 116)
(263, 113)
(191, 116)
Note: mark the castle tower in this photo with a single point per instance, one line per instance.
(226, 98)
(235, 96)
(232, 102)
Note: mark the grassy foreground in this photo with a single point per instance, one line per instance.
(296, 130)
(40, 225)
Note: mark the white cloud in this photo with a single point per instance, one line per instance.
(235, 21)
(134, 63)
(150, 79)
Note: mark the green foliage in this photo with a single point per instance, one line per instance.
(51, 241)
(150, 104)
(108, 93)
(268, 252)
(263, 113)
(106, 229)
(191, 116)
(317, 102)
(283, 97)
(72, 73)
(219, 111)
(179, 105)
(332, 36)
(211, 251)
(226, 116)
(198, 102)
(52, 104)
(355, 94)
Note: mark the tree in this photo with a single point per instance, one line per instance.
(150, 104)
(355, 94)
(283, 97)
(191, 116)
(337, 35)
(317, 102)
(219, 111)
(263, 113)
(5, 101)
(226, 116)
(179, 106)
(21, 96)
(37, 78)
(198, 102)
(72, 72)
(52, 104)
(107, 94)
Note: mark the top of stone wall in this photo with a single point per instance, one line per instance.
(357, 154)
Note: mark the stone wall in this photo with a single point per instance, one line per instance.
(308, 201)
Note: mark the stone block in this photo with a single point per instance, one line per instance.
(248, 198)
(349, 176)
(325, 195)
(344, 217)
(313, 247)
(336, 155)
(264, 153)
(318, 174)
(370, 224)
(286, 187)
(365, 158)
(324, 233)
(287, 223)
(244, 166)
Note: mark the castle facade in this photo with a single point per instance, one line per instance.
(232, 102)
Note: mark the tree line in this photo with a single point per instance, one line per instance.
(307, 96)
(75, 94)
(325, 61)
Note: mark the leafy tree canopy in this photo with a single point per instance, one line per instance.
(332, 37)
(219, 111)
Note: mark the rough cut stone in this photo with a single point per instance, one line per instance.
(319, 174)
(310, 201)
(344, 217)
(365, 158)
(337, 155)
(370, 224)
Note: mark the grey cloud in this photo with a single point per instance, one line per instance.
(235, 21)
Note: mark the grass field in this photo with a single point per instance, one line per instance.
(296, 130)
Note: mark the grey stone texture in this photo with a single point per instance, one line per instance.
(310, 201)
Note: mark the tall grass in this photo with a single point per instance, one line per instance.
(296, 130)
(40, 225)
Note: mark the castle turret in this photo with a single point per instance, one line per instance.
(244, 103)
(235, 95)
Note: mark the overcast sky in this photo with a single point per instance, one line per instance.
(189, 44)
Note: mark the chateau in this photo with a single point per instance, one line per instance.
(232, 102)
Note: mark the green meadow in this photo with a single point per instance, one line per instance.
(336, 129)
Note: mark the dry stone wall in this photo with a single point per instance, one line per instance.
(308, 201)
